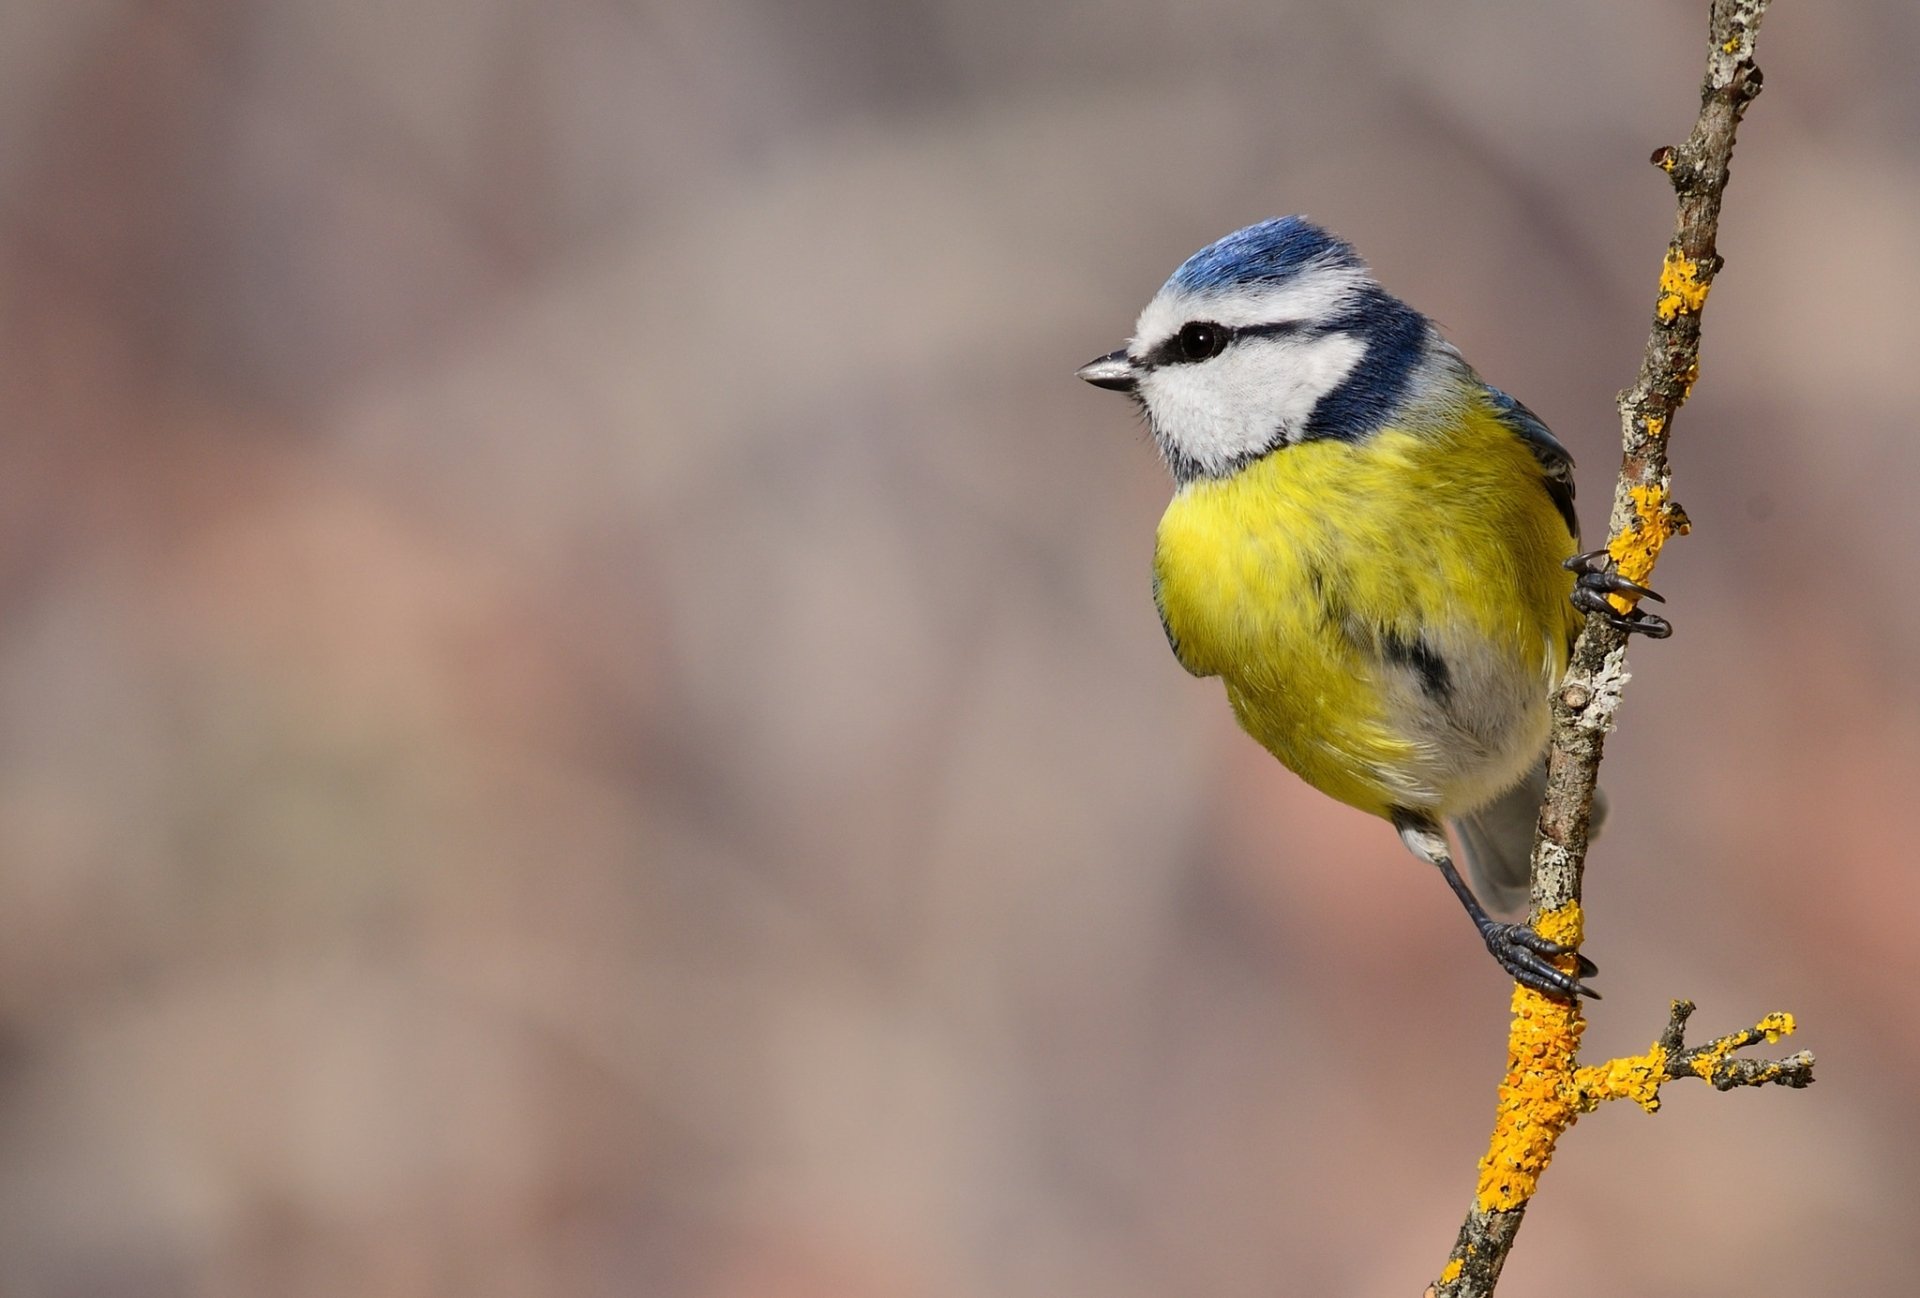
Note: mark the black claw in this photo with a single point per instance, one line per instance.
(1638, 622)
(1523, 953)
(1614, 584)
(1531, 939)
(1598, 580)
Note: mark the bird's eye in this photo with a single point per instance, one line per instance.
(1200, 339)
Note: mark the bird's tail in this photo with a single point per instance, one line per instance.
(1497, 841)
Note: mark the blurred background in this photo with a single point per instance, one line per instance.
(580, 712)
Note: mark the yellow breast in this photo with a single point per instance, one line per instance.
(1388, 616)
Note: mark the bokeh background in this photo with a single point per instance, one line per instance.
(580, 715)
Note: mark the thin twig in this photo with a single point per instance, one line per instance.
(1545, 1089)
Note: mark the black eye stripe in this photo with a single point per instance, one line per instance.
(1277, 329)
(1171, 352)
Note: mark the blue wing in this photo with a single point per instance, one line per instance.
(1546, 448)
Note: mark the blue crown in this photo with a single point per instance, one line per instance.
(1268, 253)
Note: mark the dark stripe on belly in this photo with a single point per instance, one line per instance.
(1419, 656)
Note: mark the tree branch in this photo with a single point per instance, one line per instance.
(1546, 1089)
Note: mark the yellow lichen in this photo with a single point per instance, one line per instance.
(1772, 1027)
(1635, 1077)
(1567, 925)
(1656, 426)
(1657, 519)
(1451, 1271)
(1545, 1091)
(1681, 288)
(1713, 1056)
(1536, 1101)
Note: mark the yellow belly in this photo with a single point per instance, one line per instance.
(1304, 580)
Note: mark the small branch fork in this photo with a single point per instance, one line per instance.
(1546, 1088)
(1714, 1062)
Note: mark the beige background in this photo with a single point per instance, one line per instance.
(579, 711)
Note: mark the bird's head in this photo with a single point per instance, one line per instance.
(1275, 335)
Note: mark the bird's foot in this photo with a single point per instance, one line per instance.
(1597, 580)
(1526, 955)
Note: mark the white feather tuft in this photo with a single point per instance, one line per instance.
(1254, 396)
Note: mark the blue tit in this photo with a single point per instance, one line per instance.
(1374, 549)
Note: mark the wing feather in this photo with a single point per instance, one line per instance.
(1555, 462)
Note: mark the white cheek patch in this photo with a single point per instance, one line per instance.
(1317, 293)
(1251, 398)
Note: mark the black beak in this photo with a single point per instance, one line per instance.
(1114, 372)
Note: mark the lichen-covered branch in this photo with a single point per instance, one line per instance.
(1545, 1093)
(1546, 1088)
(1714, 1062)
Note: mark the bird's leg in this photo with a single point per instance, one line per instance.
(1522, 952)
(1597, 580)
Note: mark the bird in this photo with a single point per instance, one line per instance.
(1373, 548)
